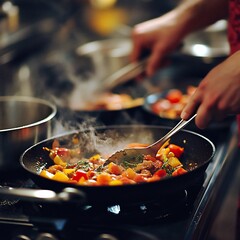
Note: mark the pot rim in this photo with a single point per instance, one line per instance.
(90, 48)
(33, 100)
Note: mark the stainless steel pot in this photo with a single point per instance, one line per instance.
(23, 121)
(209, 44)
(106, 56)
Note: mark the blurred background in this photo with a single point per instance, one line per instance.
(44, 51)
(83, 20)
(39, 40)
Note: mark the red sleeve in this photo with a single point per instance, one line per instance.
(234, 25)
(234, 36)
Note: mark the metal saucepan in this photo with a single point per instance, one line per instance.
(210, 44)
(74, 117)
(104, 57)
(24, 121)
(198, 152)
(107, 59)
(79, 89)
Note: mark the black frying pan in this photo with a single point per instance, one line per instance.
(198, 150)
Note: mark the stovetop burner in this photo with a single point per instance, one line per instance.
(140, 213)
(169, 207)
(101, 233)
(107, 222)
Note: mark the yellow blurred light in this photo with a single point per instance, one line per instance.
(105, 21)
(102, 3)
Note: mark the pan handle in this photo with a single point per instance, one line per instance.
(124, 74)
(45, 196)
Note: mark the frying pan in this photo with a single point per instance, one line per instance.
(198, 152)
(133, 115)
(102, 117)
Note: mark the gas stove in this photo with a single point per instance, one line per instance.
(178, 217)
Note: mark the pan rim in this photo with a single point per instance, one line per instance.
(29, 99)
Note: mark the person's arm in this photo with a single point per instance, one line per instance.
(164, 34)
(196, 14)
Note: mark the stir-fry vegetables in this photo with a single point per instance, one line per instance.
(70, 167)
(113, 101)
(173, 103)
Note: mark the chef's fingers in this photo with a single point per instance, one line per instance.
(136, 51)
(153, 63)
(192, 107)
(157, 59)
(204, 116)
(205, 107)
(142, 47)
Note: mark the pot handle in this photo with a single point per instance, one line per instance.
(45, 196)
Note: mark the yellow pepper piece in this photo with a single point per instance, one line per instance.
(115, 182)
(130, 173)
(46, 174)
(81, 181)
(58, 161)
(60, 176)
(174, 162)
(170, 154)
(68, 171)
(95, 157)
(164, 145)
(163, 153)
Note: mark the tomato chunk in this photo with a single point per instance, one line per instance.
(161, 105)
(160, 173)
(114, 168)
(139, 178)
(150, 158)
(104, 179)
(179, 171)
(177, 150)
(174, 96)
(79, 174)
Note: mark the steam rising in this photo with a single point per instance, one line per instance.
(107, 140)
(72, 84)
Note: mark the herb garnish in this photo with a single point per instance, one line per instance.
(132, 161)
(168, 168)
(83, 165)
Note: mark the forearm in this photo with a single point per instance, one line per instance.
(162, 35)
(193, 15)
